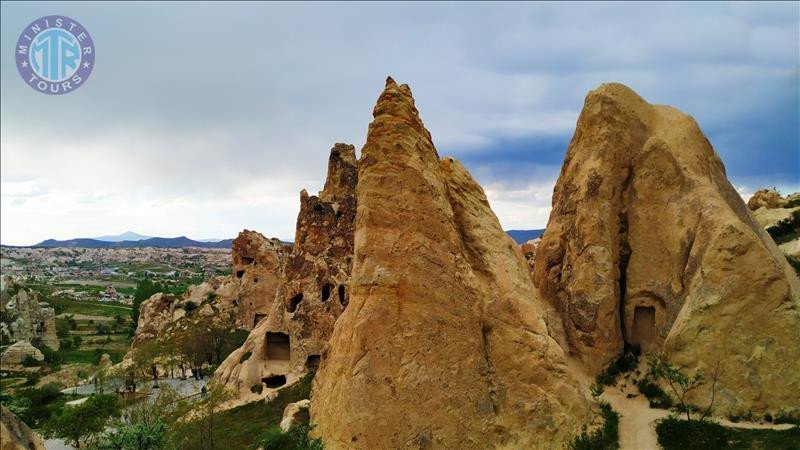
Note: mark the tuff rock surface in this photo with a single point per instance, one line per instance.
(27, 317)
(649, 244)
(15, 434)
(256, 272)
(16, 353)
(312, 293)
(443, 344)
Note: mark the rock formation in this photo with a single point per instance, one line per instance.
(17, 352)
(766, 198)
(312, 293)
(15, 434)
(257, 270)
(25, 317)
(649, 244)
(442, 344)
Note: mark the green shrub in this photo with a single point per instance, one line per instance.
(652, 391)
(605, 437)
(30, 361)
(625, 362)
(674, 433)
(786, 416)
(189, 306)
(295, 439)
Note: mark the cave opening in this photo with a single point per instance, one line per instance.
(248, 260)
(274, 381)
(294, 302)
(257, 318)
(278, 346)
(239, 273)
(342, 297)
(312, 362)
(326, 292)
(643, 331)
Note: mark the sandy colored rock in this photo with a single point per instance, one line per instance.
(154, 314)
(256, 272)
(767, 217)
(32, 318)
(312, 293)
(766, 198)
(442, 345)
(15, 434)
(291, 414)
(648, 243)
(16, 353)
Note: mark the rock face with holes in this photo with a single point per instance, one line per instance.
(256, 273)
(312, 293)
(25, 316)
(649, 244)
(442, 345)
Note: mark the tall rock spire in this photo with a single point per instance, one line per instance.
(442, 335)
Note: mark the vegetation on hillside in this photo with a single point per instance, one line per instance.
(678, 434)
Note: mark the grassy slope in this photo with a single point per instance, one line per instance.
(243, 425)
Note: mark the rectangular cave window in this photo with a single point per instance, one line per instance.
(644, 326)
(257, 318)
(312, 362)
(239, 273)
(247, 260)
(342, 298)
(274, 381)
(294, 301)
(278, 346)
(326, 292)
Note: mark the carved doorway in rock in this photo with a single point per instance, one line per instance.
(278, 346)
(643, 333)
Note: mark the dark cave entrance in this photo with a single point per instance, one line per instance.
(294, 302)
(643, 331)
(278, 346)
(274, 381)
(257, 318)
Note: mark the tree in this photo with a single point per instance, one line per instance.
(681, 383)
(141, 428)
(81, 422)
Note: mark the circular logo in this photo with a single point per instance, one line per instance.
(55, 55)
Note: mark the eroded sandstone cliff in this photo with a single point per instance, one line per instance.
(649, 244)
(311, 294)
(443, 344)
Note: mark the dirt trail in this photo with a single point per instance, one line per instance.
(637, 423)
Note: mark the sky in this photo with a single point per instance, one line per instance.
(202, 119)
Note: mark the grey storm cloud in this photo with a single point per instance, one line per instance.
(233, 106)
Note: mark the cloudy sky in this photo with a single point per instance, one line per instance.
(204, 119)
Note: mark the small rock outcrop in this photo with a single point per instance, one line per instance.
(766, 198)
(312, 293)
(442, 344)
(17, 352)
(648, 244)
(25, 317)
(256, 273)
(291, 414)
(15, 434)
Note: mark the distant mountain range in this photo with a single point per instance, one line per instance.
(126, 236)
(177, 242)
(523, 236)
(130, 239)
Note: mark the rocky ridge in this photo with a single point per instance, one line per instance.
(649, 245)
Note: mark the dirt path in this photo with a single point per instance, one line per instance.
(637, 423)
